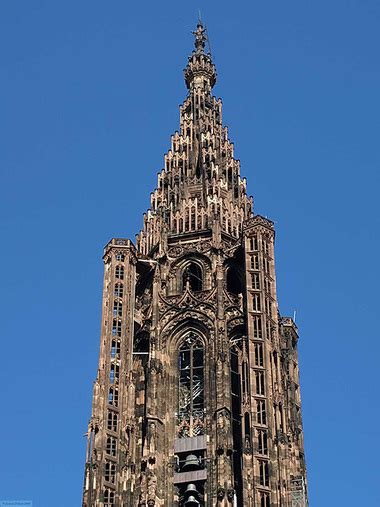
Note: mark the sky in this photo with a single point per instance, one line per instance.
(89, 96)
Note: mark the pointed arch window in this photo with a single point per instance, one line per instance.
(233, 280)
(264, 472)
(192, 275)
(113, 396)
(112, 421)
(191, 387)
(109, 498)
(111, 446)
(118, 292)
(119, 272)
(264, 499)
(262, 442)
(110, 472)
(117, 308)
(236, 405)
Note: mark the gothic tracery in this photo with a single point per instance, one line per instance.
(197, 399)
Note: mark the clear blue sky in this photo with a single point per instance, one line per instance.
(89, 97)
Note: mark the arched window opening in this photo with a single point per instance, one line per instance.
(114, 374)
(111, 446)
(117, 308)
(262, 442)
(109, 498)
(119, 272)
(115, 348)
(264, 499)
(245, 381)
(234, 282)
(192, 275)
(235, 365)
(110, 472)
(112, 421)
(264, 472)
(118, 290)
(198, 169)
(141, 342)
(247, 431)
(113, 396)
(116, 327)
(191, 387)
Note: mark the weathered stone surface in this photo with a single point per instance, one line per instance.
(197, 398)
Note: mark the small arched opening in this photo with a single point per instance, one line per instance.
(192, 276)
(234, 281)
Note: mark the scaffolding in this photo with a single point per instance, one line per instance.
(298, 492)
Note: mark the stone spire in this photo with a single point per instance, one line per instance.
(200, 184)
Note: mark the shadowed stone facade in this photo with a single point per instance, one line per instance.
(197, 399)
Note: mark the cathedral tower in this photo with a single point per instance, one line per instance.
(197, 398)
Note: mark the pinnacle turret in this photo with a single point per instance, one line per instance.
(200, 71)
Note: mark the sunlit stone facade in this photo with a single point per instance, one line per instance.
(197, 398)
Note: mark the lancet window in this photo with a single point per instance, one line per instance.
(113, 396)
(261, 416)
(109, 498)
(116, 327)
(257, 327)
(115, 348)
(239, 380)
(264, 472)
(118, 292)
(191, 387)
(112, 421)
(255, 281)
(110, 472)
(234, 282)
(117, 308)
(262, 442)
(264, 499)
(111, 446)
(255, 262)
(192, 275)
(119, 272)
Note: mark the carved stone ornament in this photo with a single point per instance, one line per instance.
(177, 319)
(259, 220)
(155, 366)
(221, 493)
(180, 250)
(222, 356)
(230, 494)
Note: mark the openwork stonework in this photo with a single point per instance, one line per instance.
(197, 397)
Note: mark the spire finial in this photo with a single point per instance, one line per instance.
(200, 37)
(200, 67)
